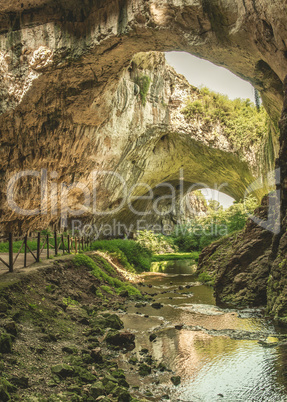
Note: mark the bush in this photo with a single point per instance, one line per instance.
(243, 123)
(156, 243)
(202, 231)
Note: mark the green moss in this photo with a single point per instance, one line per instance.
(119, 286)
(143, 82)
(107, 289)
(132, 255)
(204, 277)
(70, 302)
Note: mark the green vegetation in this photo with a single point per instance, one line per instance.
(132, 255)
(175, 256)
(155, 243)
(143, 82)
(206, 278)
(204, 230)
(119, 286)
(243, 123)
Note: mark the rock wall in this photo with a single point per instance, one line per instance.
(144, 138)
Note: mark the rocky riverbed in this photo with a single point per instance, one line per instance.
(66, 335)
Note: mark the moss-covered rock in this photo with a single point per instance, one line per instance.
(63, 370)
(175, 380)
(97, 389)
(5, 343)
(144, 370)
(121, 339)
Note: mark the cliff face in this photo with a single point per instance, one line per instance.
(143, 138)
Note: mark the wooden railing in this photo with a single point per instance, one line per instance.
(65, 243)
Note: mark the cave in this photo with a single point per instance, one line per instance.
(86, 92)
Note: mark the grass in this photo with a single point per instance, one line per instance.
(4, 247)
(175, 256)
(129, 253)
(119, 286)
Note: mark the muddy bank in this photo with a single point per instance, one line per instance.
(57, 342)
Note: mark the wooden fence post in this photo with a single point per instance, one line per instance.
(56, 243)
(25, 251)
(10, 252)
(62, 239)
(47, 240)
(69, 249)
(38, 246)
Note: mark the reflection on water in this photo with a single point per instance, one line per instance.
(212, 368)
(178, 267)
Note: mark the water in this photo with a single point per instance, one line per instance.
(216, 352)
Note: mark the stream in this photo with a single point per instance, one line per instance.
(220, 354)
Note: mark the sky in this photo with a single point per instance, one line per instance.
(201, 72)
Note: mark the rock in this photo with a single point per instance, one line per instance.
(161, 367)
(221, 395)
(63, 370)
(133, 360)
(124, 293)
(152, 337)
(5, 343)
(84, 321)
(109, 386)
(137, 305)
(121, 339)
(96, 355)
(122, 394)
(175, 380)
(20, 382)
(11, 327)
(5, 389)
(97, 389)
(156, 305)
(179, 326)
(70, 350)
(108, 321)
(4, 394)
(144, 370)
(3, 306)
(84, 375)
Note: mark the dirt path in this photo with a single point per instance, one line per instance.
(7, 277)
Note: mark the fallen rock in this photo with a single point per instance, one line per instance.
(63, 370)
(121, 339)
(144, 370)
(156, 305)
(97, 389)
(20, 382)
(5, 343)
(96, 355)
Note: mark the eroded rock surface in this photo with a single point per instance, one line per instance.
(62, 63)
